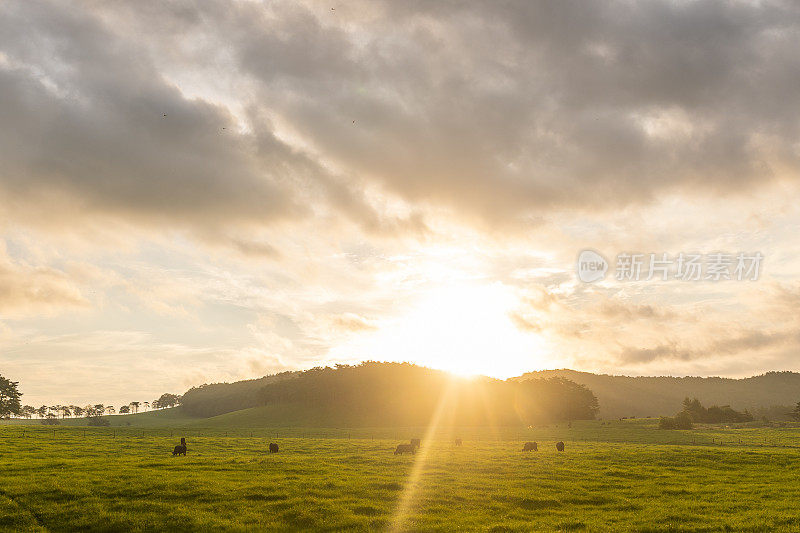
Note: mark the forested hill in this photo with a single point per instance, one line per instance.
(655, 396)
(397, 394)
(219, 398)
(388, 394)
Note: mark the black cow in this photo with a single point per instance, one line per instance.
(180, 449)
(458, 442)
(405, 448)
(273, 448)
(560, 446)
(530, 446)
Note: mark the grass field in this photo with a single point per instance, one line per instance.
(622, 476)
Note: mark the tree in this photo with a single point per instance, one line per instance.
(683, 421)
(694, 409)
(134, 407)
(110, 410)
(695, 412)
(42, 411)
(65, 411)
(28, 411)
(796, 412)
(9, 398)
(168, 400)
(124, 410)
(554, 399)
(77, 410)
(146, 406)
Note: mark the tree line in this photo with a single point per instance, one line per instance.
(772, 395)
(11, 406)
(387, 394)
(693, 412)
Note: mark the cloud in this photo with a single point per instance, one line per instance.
(33, 290)
(352, 322)
(268, 181)
(748, 342)
(506, 110)
(498, 113)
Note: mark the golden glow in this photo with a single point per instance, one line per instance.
(405, 503)
(463, 328)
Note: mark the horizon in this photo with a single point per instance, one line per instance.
(454, 375)
(485, 189)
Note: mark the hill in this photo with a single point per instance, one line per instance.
(662, 395)
(219, 398)
(388, 394)
(376, 394)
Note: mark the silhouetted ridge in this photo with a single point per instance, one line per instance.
(398, 394)
(769, 394)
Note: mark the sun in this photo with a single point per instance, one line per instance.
(465, 329)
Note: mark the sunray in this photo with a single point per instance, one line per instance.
(409, 491)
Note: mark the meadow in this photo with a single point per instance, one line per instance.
(624, 475)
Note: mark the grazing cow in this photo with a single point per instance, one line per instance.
(273, 448)
(458, 442)
(180, 449)
(530, 446)
(405, 448)
(560, 446)
(415, 443)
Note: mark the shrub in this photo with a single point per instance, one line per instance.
(683, 420)
(714, 414)
(97, 421)
(666, 423)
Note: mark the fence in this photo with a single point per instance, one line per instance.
(773, 438)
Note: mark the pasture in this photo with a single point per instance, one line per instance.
(621, 477)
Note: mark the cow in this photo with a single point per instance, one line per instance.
(530, 446)
(180, 449)
(415, 443)
(458, 442)
(273, 448)
(405, 448)
(560, 446)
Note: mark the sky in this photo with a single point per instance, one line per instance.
(197, 192)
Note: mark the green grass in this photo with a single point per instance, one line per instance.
(622, 476)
